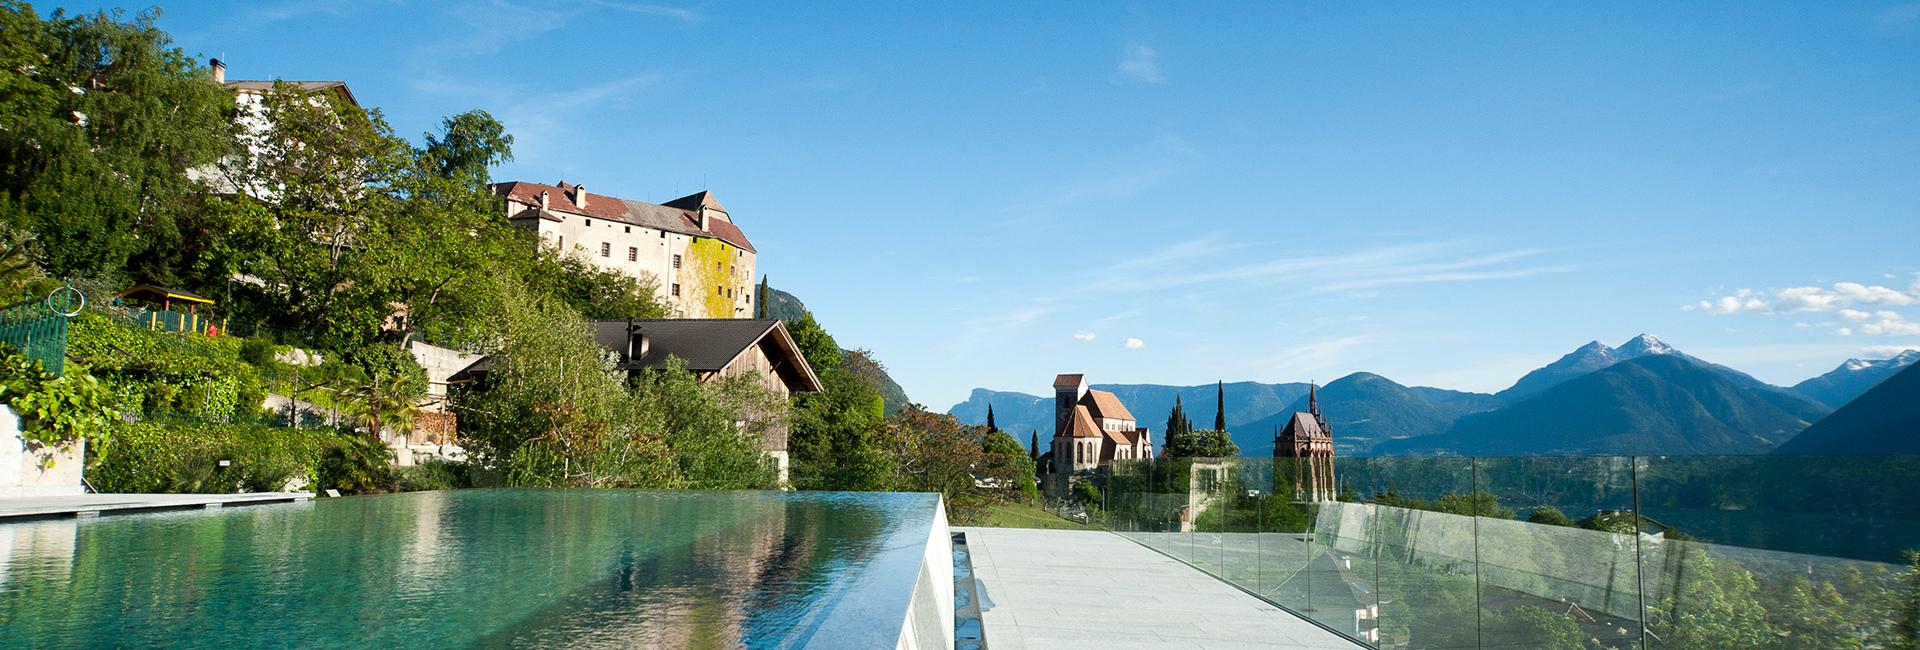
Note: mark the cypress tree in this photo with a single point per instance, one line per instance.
(760, 299)
(1219, 406)
(1033, 447)
(991, 427)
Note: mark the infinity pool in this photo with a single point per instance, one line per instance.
(518, 568)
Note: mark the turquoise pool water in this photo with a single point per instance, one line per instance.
(487, 568)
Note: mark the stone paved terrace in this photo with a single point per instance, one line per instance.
(1094, 589)
(107, 504)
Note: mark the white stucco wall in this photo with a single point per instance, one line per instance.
(22, 473)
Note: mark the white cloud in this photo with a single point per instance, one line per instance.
(1141, 64)
(1135, 344)
(1854, 314)
(1346, 272)
(1083, 336)
(1808, 299)
(1887, 351)
(1844, 331)
(1890, 324)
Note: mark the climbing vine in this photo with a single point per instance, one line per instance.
(55, 411)
(712, 262)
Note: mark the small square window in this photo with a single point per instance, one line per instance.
(633, 254)
(719, 291)
(676, 261)
(606, 249)
(626, 229)
(589, 223)
(676, 289)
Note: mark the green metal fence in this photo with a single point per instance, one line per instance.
(38, 330)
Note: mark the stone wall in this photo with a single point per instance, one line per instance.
(30, 471)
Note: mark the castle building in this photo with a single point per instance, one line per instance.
(702, 262)
(1091, 428)
(1303, 453)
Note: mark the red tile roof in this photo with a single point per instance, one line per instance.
(560, 198)
(1106, 405)
(1083, 426)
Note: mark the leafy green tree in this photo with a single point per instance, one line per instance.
(314, 194)
(1715, 607)
(1906, 610)
(1206, 443)
(100, 121)
(1476, 504)
(933, 452)
(1550, 516)
(835, 443)
(1087, 494)
(1006, 461)
(1543, 629)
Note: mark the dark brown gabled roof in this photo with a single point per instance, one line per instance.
(671, 218)
(1106, 405)
(705, 344)
(1068, 381)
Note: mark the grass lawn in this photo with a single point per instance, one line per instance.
(1020, 515)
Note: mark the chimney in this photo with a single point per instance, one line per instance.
(703, 219)
(637, 344)
(219, 70)
(580, 195)
(544, 201)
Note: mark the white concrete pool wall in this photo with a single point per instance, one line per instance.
(28, 471)
(929, 622)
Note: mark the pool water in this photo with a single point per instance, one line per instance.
(492, 568)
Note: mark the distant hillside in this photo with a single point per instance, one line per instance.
(775, 303)
(1884, 420)
(1654, 404)
(1366, 409)
(1853, 378)
(1015, 413)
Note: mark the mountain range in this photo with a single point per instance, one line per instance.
(1851, 379)
(1643, 397)
(1883, 420)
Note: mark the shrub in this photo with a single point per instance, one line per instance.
(158, 372)
(355, 465)
(184, 458)
(435, 475)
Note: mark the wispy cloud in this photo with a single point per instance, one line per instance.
(1139, 64)
(1369, 268)
(683, 15)
(1084, 336)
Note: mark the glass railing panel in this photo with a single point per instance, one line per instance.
(1545, 573)
(1420, 549)
(1792, 551)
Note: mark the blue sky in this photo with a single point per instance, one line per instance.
(986, 195)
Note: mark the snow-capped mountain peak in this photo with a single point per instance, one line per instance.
(1857, 365)
(1643, 345)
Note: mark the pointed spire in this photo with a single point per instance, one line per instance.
(1313, 399)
